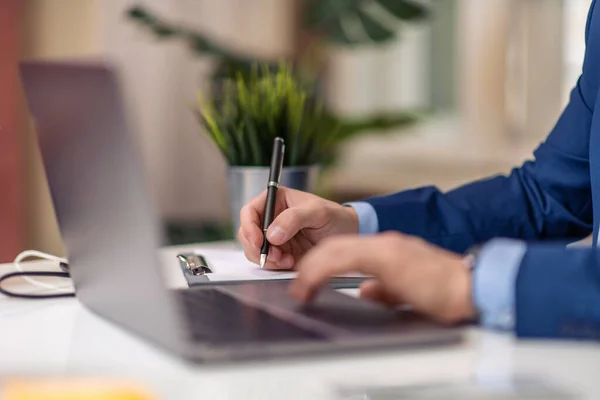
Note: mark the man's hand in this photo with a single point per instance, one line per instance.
(302, 220)
(406, 270)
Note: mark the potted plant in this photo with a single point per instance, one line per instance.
(323, 23)
(252, 101)
(250, 112)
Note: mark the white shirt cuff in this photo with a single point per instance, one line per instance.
(494, 281)
(368, 224)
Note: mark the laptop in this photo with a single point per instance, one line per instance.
(112, 235)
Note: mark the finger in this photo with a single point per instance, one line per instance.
(374, 290)
(289, 222)
(334, 257)
(253, 254)
(250, 252)
(250, 220)
(271, 265)
(286, 262)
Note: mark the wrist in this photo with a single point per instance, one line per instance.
(363, 218)
(466, 306)
(462, 308)
(351, 221)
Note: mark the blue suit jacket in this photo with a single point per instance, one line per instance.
(555, 197)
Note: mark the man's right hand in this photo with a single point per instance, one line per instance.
(301, 221)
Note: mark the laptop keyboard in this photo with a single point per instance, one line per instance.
(219, 318)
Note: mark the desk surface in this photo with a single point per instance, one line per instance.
(57, 337)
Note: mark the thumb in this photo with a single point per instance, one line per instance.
(288, 223)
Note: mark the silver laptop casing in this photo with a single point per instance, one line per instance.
(112, 233)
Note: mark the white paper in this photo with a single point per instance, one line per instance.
(228, 265)
(233, 265)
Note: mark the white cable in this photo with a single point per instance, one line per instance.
(34, 253)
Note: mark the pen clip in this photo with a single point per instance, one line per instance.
(281, 163)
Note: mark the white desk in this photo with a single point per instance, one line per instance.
(61, 337)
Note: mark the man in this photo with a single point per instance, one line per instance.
(520, 281)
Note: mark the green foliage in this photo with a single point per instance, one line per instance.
(230, 64)
(376, 123)
(162, 29)
(342, 22)
(253, 110)
(252, 106)
(358, 22)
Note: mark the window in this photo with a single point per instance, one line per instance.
(575, 18)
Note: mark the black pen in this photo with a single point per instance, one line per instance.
(272, 186)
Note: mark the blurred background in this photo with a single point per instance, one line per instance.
(485, 80)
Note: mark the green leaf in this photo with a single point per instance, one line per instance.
(255, 149)
(240, 132)
(238, 140)
(198, 42)
(374, 29)
(234, 150)
(164, 31)
(216, 137)
(202, 45)
(294, 148)
(408, 10)
(328, 17)
(141, 14)
(213, 126)
(336, 33)
(320, 13)
(381, 122)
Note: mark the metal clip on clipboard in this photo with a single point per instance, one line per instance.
(194, 268)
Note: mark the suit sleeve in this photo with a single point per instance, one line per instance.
(548, 197)
(557, 293)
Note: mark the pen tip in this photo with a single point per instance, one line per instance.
(263, 260)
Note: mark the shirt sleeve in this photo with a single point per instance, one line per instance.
(494, 281)
(368, 223)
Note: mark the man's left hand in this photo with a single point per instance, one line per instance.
(405, 270)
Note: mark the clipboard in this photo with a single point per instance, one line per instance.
(197, 271)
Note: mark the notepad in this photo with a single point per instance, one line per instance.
(226, 264)
(233, 266)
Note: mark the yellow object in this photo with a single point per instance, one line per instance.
(70, 389)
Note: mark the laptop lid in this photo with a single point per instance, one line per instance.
(109, 227)
(112, 233)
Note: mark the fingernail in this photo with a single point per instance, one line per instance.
(275, 234)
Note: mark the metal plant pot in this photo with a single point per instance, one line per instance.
(245, 183)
